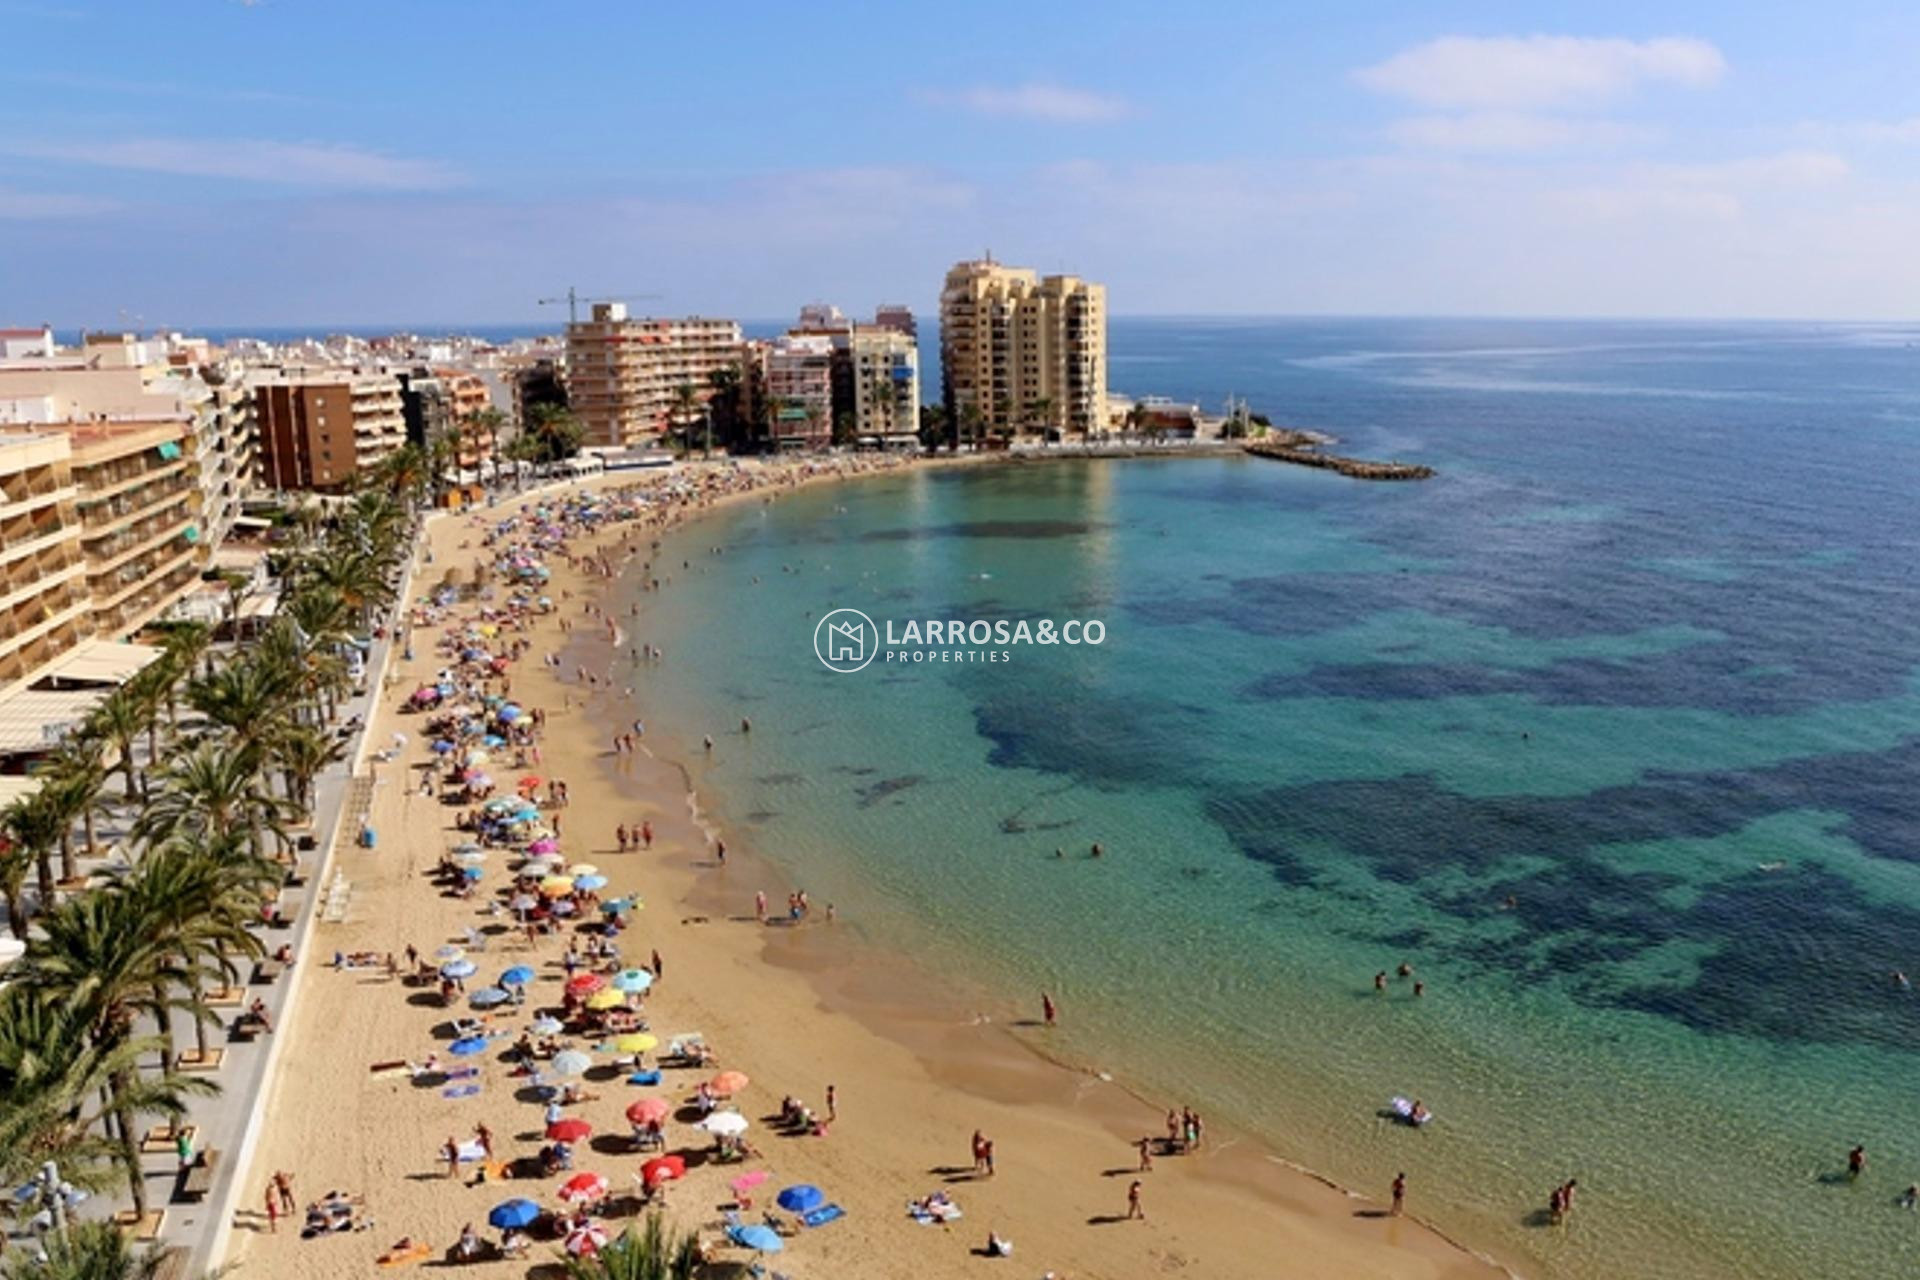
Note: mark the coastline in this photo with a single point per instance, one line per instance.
(870, 1030)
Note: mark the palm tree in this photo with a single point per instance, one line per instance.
(244, 700)
(212, 791)
(654, 1254)
(685, 401)
(107, 956)
(34, 826)
(303, 752)
(119, 721)
(53, 1075)
(201, 893)
(551, 433)
(488, 422)
(88, 1251)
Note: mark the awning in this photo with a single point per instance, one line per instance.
(191, 533)
(35, 720)
(169, 450)
(103, 662)
(263, 606)
(16, 786)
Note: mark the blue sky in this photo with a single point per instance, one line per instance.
(214, 162)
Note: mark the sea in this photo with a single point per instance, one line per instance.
(1610, 732)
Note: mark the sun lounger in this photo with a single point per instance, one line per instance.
(405, 1257)
(460, 1091)
(823, 1215)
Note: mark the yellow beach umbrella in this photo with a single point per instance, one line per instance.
(557, 886)
(607, 999)
(583, 869)
(634, 1042)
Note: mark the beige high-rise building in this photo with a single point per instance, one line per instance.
(44, 601)
(624, 374)
(1020, 352)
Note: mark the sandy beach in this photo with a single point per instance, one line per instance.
(796, 1008)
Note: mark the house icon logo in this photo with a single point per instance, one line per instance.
(846, 640)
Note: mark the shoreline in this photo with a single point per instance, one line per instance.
(890, 1054)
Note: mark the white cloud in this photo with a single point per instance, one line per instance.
(1508, 131)
(1057, 104)
(1873, 131)
(301, 164)
(1781, 169)
(1539, 71)
(21, 206)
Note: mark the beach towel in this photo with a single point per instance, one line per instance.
(936, 1217)
(460, 1091)
(404, 1257)
(823, 1215)
(464, 1073)
(644, 1077)
(471, 1150)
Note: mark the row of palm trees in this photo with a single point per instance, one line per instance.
(202, 763)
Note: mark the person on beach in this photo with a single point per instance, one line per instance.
(658, 968)
(283, 1187)
(1405, 970)
(1399, 1193)
(1856, 1162)
(273, 1210)
(720, 851)
(1134, 1207)
(833, 1111)
(1380, 980)
(1146, 1154)
(979, 1147)
(1048, 1010)
(646, 834)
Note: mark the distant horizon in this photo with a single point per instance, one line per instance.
(548, 328)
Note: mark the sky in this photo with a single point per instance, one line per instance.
(217, 163)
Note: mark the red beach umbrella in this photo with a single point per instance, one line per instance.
(584, 1186)
(648, 1110)
(585, 984)
(662, 1168)
(569, 1129)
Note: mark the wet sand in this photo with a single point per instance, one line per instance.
(796, 1008)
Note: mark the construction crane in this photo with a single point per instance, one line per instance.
(573, 300)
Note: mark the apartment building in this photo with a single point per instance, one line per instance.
(44, 601)
(138, 505)
(886, 386)
(799, 376)
(624, 374)
(1020, 352)
(320, 428)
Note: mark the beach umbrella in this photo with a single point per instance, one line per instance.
(583, 869)
(801, 1197)
(471, 873)
(724, 1124)
(450, 952)
(518, 976)
(584, 1186)
(467, 846)
(467, 1047)
(542, 847)
(442, 745)
(487, 997)
(585, 984)
(614, 906)
(587, 1241)
(546, 1025)
(662, 1168)
(569, 1129)
(492, 740)
(649, 1110)
(564, 907)
(756, 1237)
(530, 781)
(557, 886)
(457, 969)
(728, 1083)
(510, 1215)
(607, 999)
(570, 1062)
(635, 1042)
(748, 1181)
(509, 713)
(524, 902)
(473, 859)
(632, 981)
(590, 882)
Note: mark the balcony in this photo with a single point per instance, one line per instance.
(34, 490)
(24, 656)
(39, 574)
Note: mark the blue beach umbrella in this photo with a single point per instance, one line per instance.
(442, 746)
(493, 740)
(458, 969)
(614, 906)
(756, 1237)
(546, 1025)
(590, 883)
(518, 976)
(487, 997)
(512, 1214)
(509, 713)
(801, 1197)
(632, 981)
(468, 1047)
(450, 951)
(471, 873)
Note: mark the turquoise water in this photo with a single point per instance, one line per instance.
(1642, 660)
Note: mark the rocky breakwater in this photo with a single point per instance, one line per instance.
(1301, 449)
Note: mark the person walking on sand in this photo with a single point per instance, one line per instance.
(646, 834)
(273, 1209)
(1048, 1010)
(1399, 1192)
(283, 1186)
(1134, 1209)
(1146, 1154)
(760, 906)
(833, 1111)
(979, 1146)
